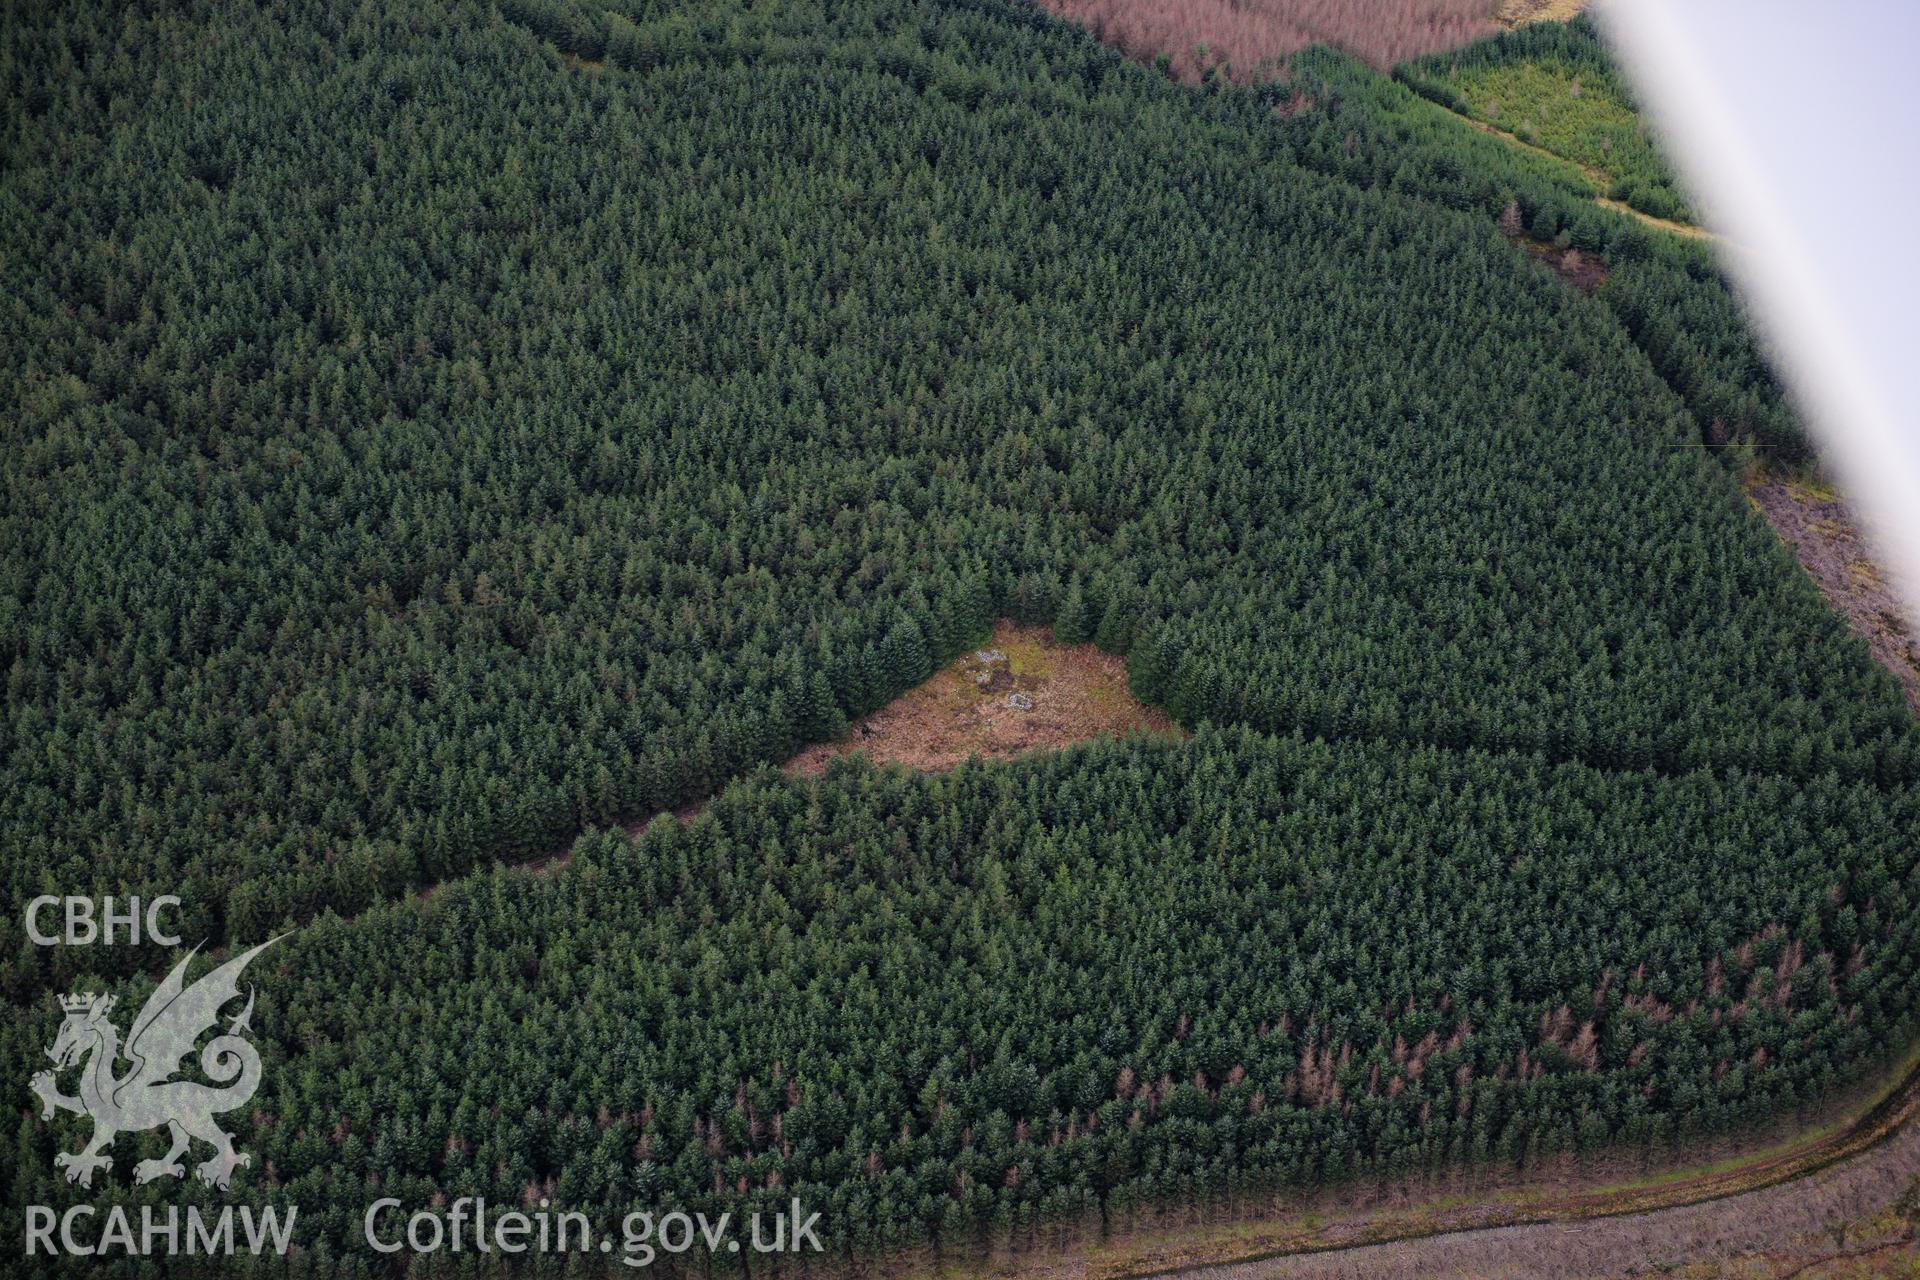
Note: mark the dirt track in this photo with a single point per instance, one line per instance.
(1593, 176)
(1770, 1232)
(1791, 1200)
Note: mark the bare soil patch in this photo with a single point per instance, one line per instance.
(1817, 524)
(1584, 271)
(1019, 692)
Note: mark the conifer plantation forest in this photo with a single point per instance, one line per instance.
(442, 435)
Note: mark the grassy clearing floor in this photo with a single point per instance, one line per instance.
(1518, 13)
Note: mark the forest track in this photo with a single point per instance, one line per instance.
(1772, 1201)
(1593, 176)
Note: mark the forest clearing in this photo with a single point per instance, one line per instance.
(974, 706)
(1022, 691)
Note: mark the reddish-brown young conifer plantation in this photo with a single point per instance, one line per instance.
(1246, 35)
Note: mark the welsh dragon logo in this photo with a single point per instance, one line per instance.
(147, 1096)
